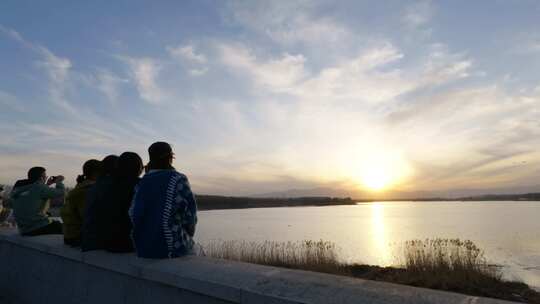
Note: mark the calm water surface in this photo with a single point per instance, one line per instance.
(372, 233)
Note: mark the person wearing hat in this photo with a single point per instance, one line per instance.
(164, 211)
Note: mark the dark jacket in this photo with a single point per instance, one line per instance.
(72, 212)
(93, 231)
(116, 221)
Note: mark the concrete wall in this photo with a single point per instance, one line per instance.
(43, 270)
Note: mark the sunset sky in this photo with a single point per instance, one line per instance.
(267, 96)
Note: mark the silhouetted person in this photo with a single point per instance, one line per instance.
(164, 212)
(93, 233)
(30, 202)
(5, 212)
(115, 218)
(72, 212)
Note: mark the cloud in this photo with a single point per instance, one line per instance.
(186, 52)
(279, 74)
(418, 14)
(11, 101)
(360, 79)
(13, 34)
(56, 67)
(145, 72)
(198, 72)
(288, 22)
(372, 76)
(108, 83)
(305, 29)
(441, 66)
(468, 134)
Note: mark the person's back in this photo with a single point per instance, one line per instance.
(72, 211)
(116, 221)
(163, 215)
(163, 212)
(4, 211)
(115, 218)
(92, 231)
(30, 206)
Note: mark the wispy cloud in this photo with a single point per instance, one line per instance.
(58, 70)
(10, 101)
(186, 52)
(13, 34)
(360, 79)
(108, 83)
(145, 72)
(442, 66)
(371, 76)
(56, 67)
(288, 23)
(279, 74)
(418, 13)
(198, 72)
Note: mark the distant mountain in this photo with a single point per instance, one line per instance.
(356, 194)
(400, 195)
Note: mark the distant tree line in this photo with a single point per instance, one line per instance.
(504, 197)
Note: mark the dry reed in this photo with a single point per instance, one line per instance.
(309, 255)
(450, 261)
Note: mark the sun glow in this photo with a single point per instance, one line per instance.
(380, 170)
(375, 178)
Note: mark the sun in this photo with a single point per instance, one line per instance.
(375, 179)
(381, 170)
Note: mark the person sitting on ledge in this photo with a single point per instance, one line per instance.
(115, 219)
(30, 202)
(163, 212)
(5, 212)
(72, 212)
(92, 230)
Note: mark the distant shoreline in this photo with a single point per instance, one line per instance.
(215, 202)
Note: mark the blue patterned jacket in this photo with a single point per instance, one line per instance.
(164, 215)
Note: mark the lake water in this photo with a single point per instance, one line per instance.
(371, 233)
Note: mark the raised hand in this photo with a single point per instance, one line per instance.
(50, 181)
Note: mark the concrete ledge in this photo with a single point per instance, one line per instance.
(42, 269)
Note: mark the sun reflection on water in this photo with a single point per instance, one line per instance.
(379, 234)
